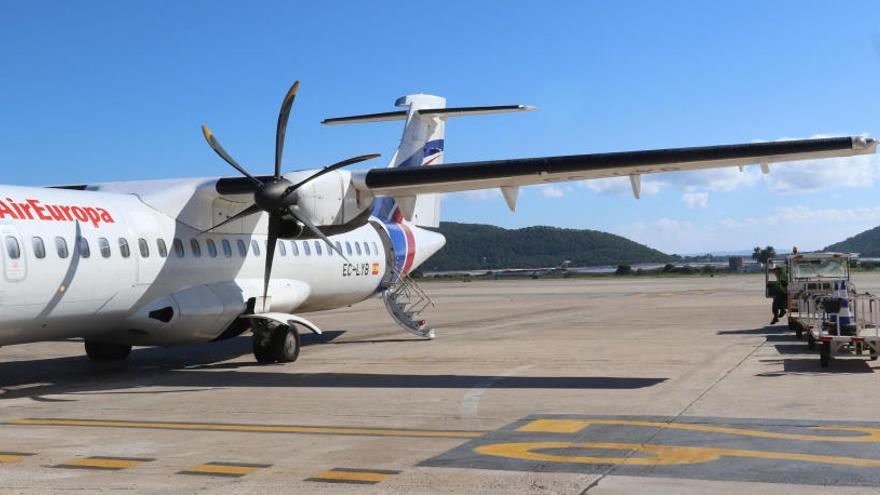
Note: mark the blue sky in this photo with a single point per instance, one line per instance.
(98, 91)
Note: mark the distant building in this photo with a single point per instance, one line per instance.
(736, 264)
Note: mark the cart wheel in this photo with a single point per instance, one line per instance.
(825, 354)
(811, 342)
(859, 348)
(799, 331)
(873, 356)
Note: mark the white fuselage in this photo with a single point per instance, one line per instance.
(203, 282)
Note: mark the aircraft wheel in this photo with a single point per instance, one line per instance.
(103, 351)
(262, 349)
(284, 343)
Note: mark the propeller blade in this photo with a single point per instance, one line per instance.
(250, 210)
(274, 227)
(215, 145)
(315, 230)
(280, 131)
(335, 166)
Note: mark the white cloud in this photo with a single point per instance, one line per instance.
(804, 215)
(552, 192)
(621, 186)
(695, 199)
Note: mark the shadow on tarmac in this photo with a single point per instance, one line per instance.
(200, 367)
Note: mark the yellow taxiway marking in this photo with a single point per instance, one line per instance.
(10, 457)
(365, 476)
(225, 469)
(575, 425)
(662, 454)
(110, 463)
(327, 430)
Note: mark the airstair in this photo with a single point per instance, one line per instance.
(405, 301)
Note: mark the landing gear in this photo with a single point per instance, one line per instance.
(277, 343)
(104, 351)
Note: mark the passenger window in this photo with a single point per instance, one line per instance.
(255, 246)
(212, 248)
(329, 249)
(339, 247)
(163, 249)
(242, 248)
(39, 247)
(227, 249)
(123, 248)
(318, 248)
(375, 249)
(196, 248)
(348, 247)
(178, 248)
(61, 247)
(12, 248)
(144, 248)
(357, 247)
(294, 248)
(83, 247)
(306, 250)
(104, 246)
(281, 248)
(366, 249)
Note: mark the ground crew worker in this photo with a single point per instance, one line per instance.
(778, 290)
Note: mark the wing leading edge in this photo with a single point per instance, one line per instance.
(452, 177)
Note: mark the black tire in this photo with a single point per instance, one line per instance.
(825, 354)
(811, 342)
(103, 351)
(799, 331)
(262, 349)
(873, 356)
(284, 343)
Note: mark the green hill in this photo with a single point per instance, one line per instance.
(866, 244)
(476, 247)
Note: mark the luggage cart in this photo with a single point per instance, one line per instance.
(820, 314)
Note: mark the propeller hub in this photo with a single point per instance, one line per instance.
(270, 196)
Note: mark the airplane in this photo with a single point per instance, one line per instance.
(179, 261)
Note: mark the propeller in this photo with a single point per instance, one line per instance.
(275, 195)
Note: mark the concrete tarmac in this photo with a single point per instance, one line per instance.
(601, 386)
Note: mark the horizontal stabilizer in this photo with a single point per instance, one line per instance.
(439, 112)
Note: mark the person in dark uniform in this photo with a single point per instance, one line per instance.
(778, 290)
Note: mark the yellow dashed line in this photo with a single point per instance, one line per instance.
(251, 428)
(10, 457)
(338, 475)
(573, 426)
(109, 463)
(225, 469)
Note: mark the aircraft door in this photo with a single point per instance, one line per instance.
(14, 261)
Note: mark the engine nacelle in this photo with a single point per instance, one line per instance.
(331, 201)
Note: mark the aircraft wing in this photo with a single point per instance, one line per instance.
(450, 177)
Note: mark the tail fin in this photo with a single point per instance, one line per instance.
(421, 145)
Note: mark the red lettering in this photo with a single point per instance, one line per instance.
(27, 209)
(6, 210)
(105, 216)
(66, 210)
(35, 204)
(79, 213)
(17, 209)
(56, 212)
(93, 215)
